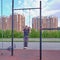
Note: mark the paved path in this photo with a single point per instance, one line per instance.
(34, 45)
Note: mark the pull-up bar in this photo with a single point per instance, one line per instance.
(26, 8)
(40, 26)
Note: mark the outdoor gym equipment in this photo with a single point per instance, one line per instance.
(13, 26)
(29, 18)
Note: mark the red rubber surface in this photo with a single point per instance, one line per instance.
(30, 55)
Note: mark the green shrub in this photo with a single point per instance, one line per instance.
(7, 34)
(51, 34)
(0, 33)
(34, 34)
(18, 34)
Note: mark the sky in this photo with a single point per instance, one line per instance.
(49, 8)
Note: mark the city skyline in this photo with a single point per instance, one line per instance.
(47, 22)
(49, 8)
(19, 22)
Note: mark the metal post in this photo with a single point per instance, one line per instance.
(40, 34)
(2, 20)
(12, 26)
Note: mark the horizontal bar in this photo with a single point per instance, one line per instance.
(50, 28)
(26, 8)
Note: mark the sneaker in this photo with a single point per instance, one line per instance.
(25, 47)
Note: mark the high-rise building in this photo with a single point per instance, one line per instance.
(3, 23)
(47, 22)
(19, 22)
(36, 23)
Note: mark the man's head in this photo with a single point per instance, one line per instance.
(26, 27)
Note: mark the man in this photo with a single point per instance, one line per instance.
(26, 34)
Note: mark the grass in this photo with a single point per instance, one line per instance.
(18, 40)
(30, 40)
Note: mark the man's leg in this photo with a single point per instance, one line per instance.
(25, 42)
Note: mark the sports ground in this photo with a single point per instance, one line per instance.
(50, 51)
(31, 55)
